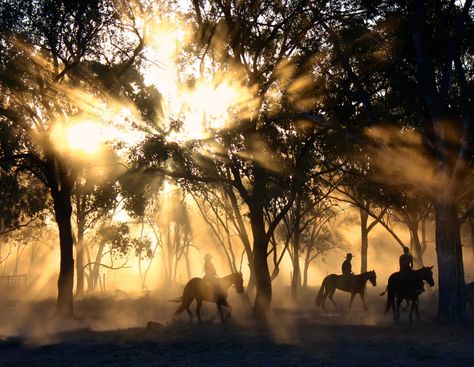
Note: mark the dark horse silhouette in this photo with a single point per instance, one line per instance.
(401, 288)
(355, 286)
(214, 290)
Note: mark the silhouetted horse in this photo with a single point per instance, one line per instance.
(356, 285)
(402, 287)
(214, 290)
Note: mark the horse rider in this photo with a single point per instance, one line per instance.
(209, 268)
(406, 269)
(347, 269)
(210, 274)
(406, 261)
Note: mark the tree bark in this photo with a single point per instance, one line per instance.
(364, 240)
(251, 284)
(80, 266)
(307, 261)
(263, 282)
(415, 243)
(471, 233)
(80, 251)
(63, 211)
(296, 279)
(451, 305)
(244, 237)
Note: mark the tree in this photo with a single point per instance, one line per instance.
(377, 56)
(301, 224)
(321, 235)
(262, 152)
(413, 210)
(47, 84)
(219, 208)
(175, 231)
(24, 200)
(92, 202)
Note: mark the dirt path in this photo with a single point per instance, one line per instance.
(303, 337)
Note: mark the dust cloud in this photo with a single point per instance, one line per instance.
(122, 298)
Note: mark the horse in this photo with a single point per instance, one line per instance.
(356, 285)
(402, 287)
(209, 290)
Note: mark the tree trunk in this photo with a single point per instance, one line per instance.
(63, 210)
(296, 278)
(306, 268)
(188, 263)
(451, 305)
(364, 240)
(251, 284)
(471, 233)
(80, 267)
(423, 236)
(263, 282)
(415, 244)
(80, 253)
(244, 238)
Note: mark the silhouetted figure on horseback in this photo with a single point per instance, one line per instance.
(200, 290)
(347, 271)
(210, 274)
(347, 282)
(406, 284)
(209, 268)
(406, 261)
(407, 272)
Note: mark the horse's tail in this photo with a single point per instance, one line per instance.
(390, 299)
(181, 307)
(320, 296)
(385, 291)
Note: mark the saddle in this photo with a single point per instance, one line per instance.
(212, 286)
(347, 280)
(408, 277)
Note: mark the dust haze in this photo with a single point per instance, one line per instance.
(122, 299)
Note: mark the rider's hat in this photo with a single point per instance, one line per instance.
(406, 250)
(349, 256)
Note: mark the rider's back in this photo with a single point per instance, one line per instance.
(406, 261)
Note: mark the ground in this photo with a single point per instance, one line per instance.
(112, 331)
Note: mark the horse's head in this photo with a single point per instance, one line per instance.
(372, 277)
(238, 282)
(427, 275)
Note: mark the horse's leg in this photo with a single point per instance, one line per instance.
(392, 304)
(198, 309)
(221, 312)
(413, 305)
(331, 294)
(407, 305)
(189, 313)
(325, 294)
(229, 307)
(399, 301)
(416, 309)
(352, 299)
(363, 301)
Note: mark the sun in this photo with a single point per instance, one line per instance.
(86, 137)
(203, 100)
(81, 138)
